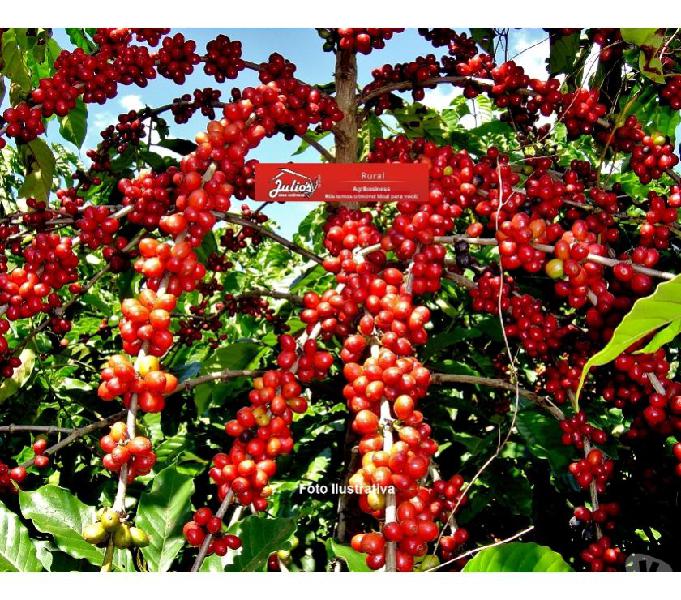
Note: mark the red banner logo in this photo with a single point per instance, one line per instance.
(354, 182)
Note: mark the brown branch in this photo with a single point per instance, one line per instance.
(254, 293)
(78, 433)
(596, 258)
(461, 280)
(203, 551)
(239, 220)
(593, 491)
(218, 376)
(390, 496)
(258, 293)
(318, 147)
(46, 429)
(351, 459)
(401, 86)
(676, 178)
(543, 402)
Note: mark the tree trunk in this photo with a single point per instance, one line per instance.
(346, 132)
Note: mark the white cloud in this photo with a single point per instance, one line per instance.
(535, 50)
(131, 102)
(160, 150)
(102, 120)
(441, 97)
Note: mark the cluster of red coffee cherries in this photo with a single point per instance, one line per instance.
(261, 433)
(149, 382)
(415, 527)
(459, 45)
(223, 59)
(610, 41)
(49, 264)
(595, 467)
(23, 122)
(604, 515)
(651, 154)
(121, 450)
(146, 321)
(149, 195)
(177, 263)
(384, 380)
(375, 299)
(576, 430)
(671, 92)
(11, 479)
(283, 103)
(364, 40)
(97, 227)
(206, 100)
(525, 318)
(128, 132)
(177, 58)
(205, 522)
(416, 72)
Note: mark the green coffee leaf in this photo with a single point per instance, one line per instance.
(517, 557)
(17, 551)
(56, 511)
(660, 312)
(73, 126)
(162, 512)
(40, 163)
(260, 537)
(356, 561)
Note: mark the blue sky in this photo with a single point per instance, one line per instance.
(303, 48)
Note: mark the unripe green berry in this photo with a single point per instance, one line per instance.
(283, 555)
(659, 139)
(122, 537)
(139, 537)
(554, 268)
(94, 533)
(110, 519)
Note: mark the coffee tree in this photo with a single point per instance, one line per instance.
(482, 379)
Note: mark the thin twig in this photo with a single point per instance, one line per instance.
(239, 220)
(541, 401)
(593, 491)
(203, 551)
(596, 258)
(318, 147)
(515, 536)
(107, 564)
(46, 429)
(218, 376)
(512, 367)
(657, 384)
(258, 293)
(390, 496)
(78, 433)
(461, 280)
